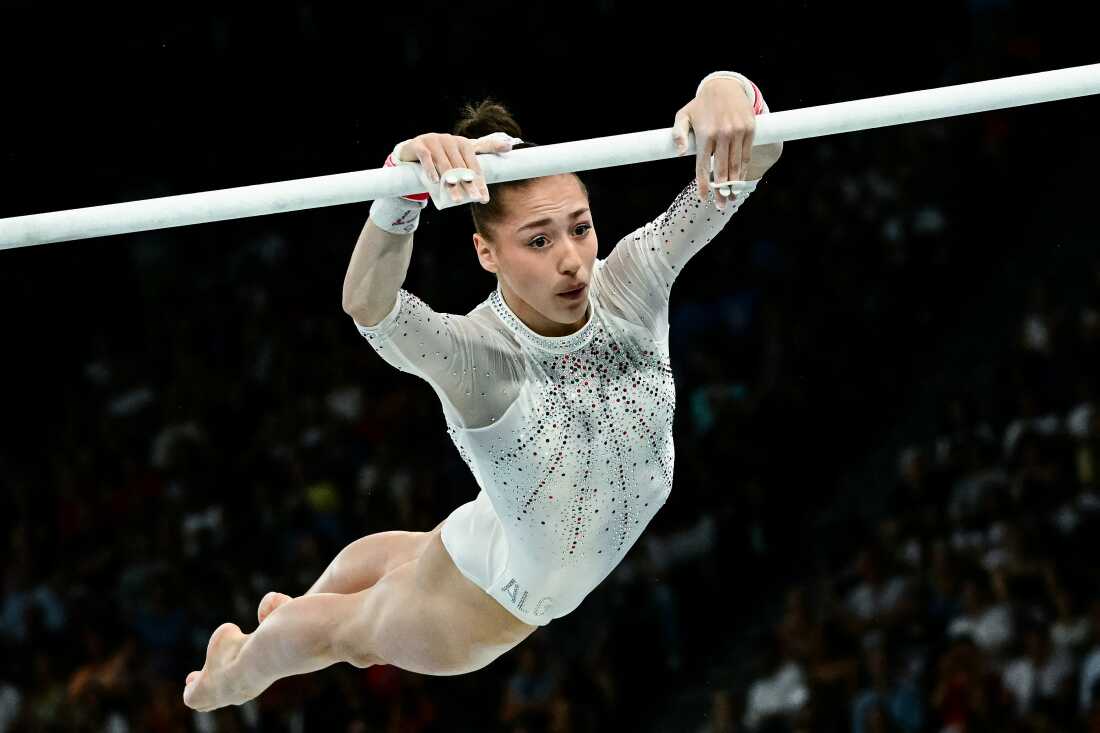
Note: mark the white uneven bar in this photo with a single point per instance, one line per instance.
(580, 155)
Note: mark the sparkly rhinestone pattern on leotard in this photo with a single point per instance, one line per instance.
(569, 438)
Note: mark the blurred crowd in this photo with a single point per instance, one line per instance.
(975, 604)
(222, 431)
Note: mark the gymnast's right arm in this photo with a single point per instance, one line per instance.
(456, 355)
(381, 258)
(377, 269)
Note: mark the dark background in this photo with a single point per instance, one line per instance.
(884, 368)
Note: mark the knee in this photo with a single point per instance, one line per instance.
(358, 652)
(340, 570)
(362, 660)
(422, 650)
(351, 644)
(476, 659)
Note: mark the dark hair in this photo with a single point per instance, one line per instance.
(485, 118)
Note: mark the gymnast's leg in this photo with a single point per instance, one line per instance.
(359, 565)
(423, 616)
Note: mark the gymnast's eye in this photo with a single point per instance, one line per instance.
(580, 230)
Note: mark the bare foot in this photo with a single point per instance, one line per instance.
(269, 603)
(214, 687)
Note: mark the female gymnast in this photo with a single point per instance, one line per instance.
(557, 392)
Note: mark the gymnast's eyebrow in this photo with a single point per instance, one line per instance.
(544, 222)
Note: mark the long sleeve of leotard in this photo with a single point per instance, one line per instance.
(637, 277)
(638, 274)
(473, 369)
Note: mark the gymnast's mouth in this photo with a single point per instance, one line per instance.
(575, 293)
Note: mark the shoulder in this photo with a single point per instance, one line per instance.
(487, 325)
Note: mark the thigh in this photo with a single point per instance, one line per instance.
(410, 547)
(491, 621)
(426, 617)
(380, 553)
(400, 548)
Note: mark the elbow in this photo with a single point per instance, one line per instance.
(352, 299)
(354, 308)
(359, 312)
(348, 305)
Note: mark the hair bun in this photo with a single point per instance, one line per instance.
(485, 118)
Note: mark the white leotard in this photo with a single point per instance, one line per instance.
(569, 438)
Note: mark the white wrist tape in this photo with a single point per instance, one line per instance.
(397, 215)
(759, 106)
(741, 189)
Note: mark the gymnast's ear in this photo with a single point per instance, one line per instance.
(486, 253)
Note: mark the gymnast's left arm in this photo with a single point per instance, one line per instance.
(722, 116)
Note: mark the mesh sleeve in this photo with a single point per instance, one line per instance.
(637, 276)
(475, 371)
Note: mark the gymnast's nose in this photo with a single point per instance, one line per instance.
(571, 260)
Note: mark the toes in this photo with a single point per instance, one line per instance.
(222, 634)
(191, 691)
(225, 644)
(270, 602)
(223, 630)
(265, 606)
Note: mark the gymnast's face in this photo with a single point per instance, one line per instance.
(544, 245)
